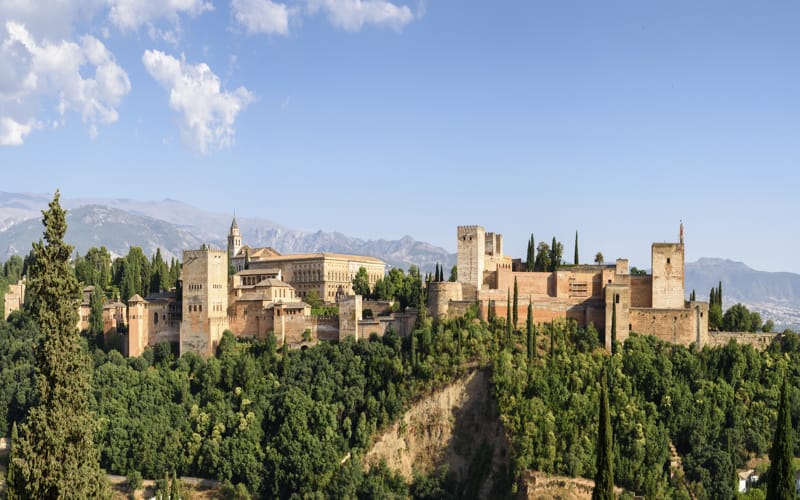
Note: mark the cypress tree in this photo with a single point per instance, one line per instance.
(508, 318)
(531, 254)
(490, 313)
(531, 334)
(56, 455)
(175, 492)
(614, 326)
(604, 461)
(576, 247)
(552, 340)
(515, 313)
(12, 488)
(96, 302)
(780, 480)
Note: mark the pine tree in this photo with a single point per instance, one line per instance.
(576, 248)
(515, 313)
(12, 488)
(56, 455)
(780, 480)
(614, 326)
(604, 461)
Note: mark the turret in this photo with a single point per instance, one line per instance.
(234, 239)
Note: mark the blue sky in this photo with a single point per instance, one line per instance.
(380, 119)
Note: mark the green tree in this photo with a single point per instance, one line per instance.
(738, 319)
(556, 254)
(598, 258)
(57, 456)
(576, 261)
(530, 258)
(175, 492)
(769, 325)
(515, 305)
(508, 318)
(604, 458)
(543, 254)
(12, 488)
(531, 334)
(361, 282)
(614, 326)
(780, 480)
(96, 303)
(453, 274)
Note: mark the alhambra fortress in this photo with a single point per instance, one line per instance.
(254, 292)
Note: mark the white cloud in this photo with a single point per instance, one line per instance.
(352, 15)
(261, 16)
(12, 133)
(130, 15)
(208, 112)
(33, 73)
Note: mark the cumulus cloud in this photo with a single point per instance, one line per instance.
(130, 15)
(33, 72)
(261, 16)
(208, 112)
(352, 15)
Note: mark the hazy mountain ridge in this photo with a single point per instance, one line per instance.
(174, 226)
(776, 295)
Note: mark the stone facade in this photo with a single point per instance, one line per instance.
(152, 320)
(264, 295)
(648, 304)
(14, 298)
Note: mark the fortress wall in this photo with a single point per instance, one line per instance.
(671, 325)
(758, 340)
(439, 297)
(641, 291)
(535, 284)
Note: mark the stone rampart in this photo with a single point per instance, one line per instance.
(758, 340)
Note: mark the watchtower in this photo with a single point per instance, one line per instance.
(470, 259)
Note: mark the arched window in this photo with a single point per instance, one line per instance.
(155, 318)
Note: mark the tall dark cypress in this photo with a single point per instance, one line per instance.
(508, 319)
(530, 337)
(531, 254)
(55, 452)
(604, 458)
(576, 248)
(12, 486)
(780, 480)
(614, 326)
(515, 313)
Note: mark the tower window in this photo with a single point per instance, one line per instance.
(667, 260)
(616, 298)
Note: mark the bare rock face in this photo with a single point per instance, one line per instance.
(456, 427)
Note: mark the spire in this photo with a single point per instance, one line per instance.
(234, 225)
(681, 232)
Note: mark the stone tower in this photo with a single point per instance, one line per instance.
(137, 326)
(234, 240)
(668, 274)
(470, 259)
(205, 300)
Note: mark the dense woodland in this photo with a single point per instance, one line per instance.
(296, 423)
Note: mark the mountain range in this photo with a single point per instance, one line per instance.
(174, 226)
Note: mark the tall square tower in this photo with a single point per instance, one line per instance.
(205, 300)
